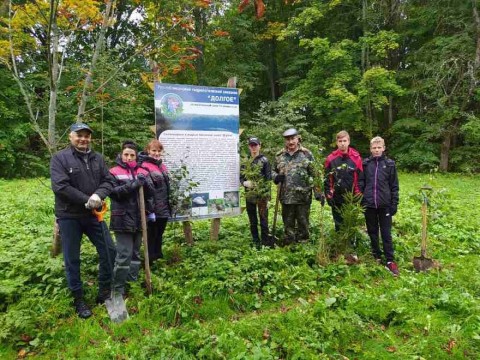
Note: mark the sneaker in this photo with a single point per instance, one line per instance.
(393, 268)
(82, 309)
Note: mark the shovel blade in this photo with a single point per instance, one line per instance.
(422, 263)
(116, 308)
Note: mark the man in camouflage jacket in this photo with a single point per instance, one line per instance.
(294, 173)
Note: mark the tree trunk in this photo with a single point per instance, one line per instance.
(272, 69)
(200, 23)
(109, 10)
(54, 75)
(444, 152)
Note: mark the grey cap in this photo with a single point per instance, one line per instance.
(80, 126)
(290, 132)
(254, 140)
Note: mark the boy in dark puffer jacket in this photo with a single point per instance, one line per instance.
(379, 185)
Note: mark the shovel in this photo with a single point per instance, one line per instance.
(274, 239)
(422, 263)
(117, 311)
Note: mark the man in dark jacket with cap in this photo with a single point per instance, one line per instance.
(294, 173)
(256, 178)
(80, 182)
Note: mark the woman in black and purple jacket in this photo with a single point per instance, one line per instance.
(125, 218)
(158, 175)
(379, 185)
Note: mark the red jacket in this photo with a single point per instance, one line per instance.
(342, 173)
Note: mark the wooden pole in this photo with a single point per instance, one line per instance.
(214, 229)
(187, 231)
(148, 276)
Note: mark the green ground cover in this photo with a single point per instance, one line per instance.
(225, 300)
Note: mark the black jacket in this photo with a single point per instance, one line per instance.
(342, 175)
(76, 176)
(125, 211)
(379, 183)
(158, 176)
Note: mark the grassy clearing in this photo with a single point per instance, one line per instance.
(224, 300)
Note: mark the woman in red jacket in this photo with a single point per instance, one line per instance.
(151, 161)
(125, 218)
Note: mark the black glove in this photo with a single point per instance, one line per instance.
(330, 201)
(320, 197)
(393, 210)
(138, 182)
(141, 179)
(280, 178)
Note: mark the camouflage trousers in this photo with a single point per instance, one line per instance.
(296, 222)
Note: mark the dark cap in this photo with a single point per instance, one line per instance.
(80, 126)
(254, 140)
(290, 132)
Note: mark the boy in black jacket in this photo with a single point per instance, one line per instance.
(379, 185)
(258, 194)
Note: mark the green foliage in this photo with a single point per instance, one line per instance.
(279, 116)
(181, 186)
(253, 172)
(225, 299)
(346, 239)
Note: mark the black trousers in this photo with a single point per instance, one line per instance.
(155, 238)
(379, 220)
(252, 207)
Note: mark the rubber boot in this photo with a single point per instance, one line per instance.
(134, 270)
(120, 275)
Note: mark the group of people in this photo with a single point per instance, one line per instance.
(373, 179)
(81, 181)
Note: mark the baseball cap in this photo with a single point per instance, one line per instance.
(80, 126)
(254, 140)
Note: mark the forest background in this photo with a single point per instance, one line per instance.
(404, 69)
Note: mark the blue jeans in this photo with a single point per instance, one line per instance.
(71, 231)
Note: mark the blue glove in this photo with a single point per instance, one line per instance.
(151, 217)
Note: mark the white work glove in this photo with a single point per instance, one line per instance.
(248, 184)
(94, 202)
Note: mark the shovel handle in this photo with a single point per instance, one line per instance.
(424, 228)
(277, 201)
(100, 213)
(148, 276)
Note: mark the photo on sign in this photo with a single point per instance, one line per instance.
(199, 199)
(231, 199)
(216, 206)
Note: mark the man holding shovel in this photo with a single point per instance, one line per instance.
(81, 181)
(294, 173)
